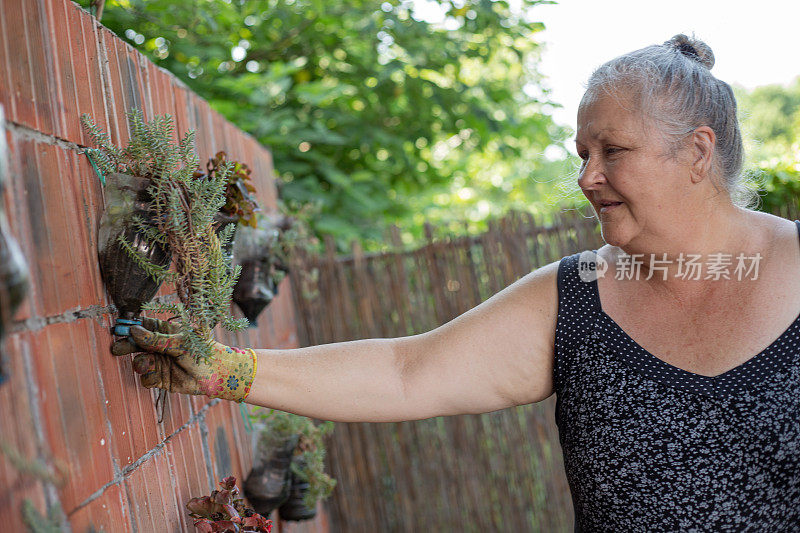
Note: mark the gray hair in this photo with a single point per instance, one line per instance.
(674, 85)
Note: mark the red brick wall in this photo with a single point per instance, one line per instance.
(69, 402)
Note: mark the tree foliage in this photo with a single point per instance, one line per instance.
(770, 117)
(374, 114)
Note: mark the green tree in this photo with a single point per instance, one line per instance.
(770, 117)
(374, 114)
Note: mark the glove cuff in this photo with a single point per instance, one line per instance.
(249, 381)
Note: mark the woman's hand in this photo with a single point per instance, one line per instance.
(165, 363)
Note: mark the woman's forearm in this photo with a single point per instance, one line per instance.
(354, 381)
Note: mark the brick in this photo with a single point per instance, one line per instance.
(140, 434)
(6, 88)
(225, 453)
(160, 85)
(117, 403)
(24, 107)
(187, 452)
(94, 78)
(143, 419)
(173, 509)
(86, 195)
(77, 409)
(113, 46)
(109, 75)
(151, 498)
(179, 99)
(143, 74)
(42, 64)
(18, 433)
(241, 437)
(198, 469)
(16, 212)
(66, 96)
(38, 253)
(153, 87)
(60, 220)
(109, 512)
(203, 124)
(218, 124)
(177, 412)
(77, 58)
(131, 78)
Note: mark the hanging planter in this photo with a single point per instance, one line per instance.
(128, 283)
(13, 270)
(267, 485)
(257, 252)
(306, 483)
(296, 506)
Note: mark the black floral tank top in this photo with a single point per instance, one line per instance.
(651, 447)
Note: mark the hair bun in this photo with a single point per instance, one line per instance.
(693, 49)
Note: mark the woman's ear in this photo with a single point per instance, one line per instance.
(703, 143)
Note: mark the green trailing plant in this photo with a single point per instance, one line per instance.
(309, 464)
(240, 192)
(225, 512)
(37, 523)
(182, 209)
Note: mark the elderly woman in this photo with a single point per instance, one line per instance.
(678, 389)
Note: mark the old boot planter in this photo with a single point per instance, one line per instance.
(267, 486)
(128, 283)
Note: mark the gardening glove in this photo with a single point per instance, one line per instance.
(165, 363)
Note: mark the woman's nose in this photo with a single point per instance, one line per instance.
(591, 175)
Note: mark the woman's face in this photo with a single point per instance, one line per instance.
(636, 184)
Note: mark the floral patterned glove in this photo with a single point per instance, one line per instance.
(164, 363)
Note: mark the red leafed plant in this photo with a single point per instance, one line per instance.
(240, 192)
(224, 512)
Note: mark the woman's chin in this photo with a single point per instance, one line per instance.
(613, 234)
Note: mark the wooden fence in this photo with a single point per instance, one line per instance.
(500, 471)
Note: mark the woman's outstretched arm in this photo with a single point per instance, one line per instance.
(494, 356)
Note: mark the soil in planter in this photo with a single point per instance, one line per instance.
(128, 284)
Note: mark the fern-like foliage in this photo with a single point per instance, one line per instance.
(183, 208)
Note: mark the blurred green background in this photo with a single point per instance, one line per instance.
(378, 117)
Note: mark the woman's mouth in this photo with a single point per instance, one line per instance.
(607, 206)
